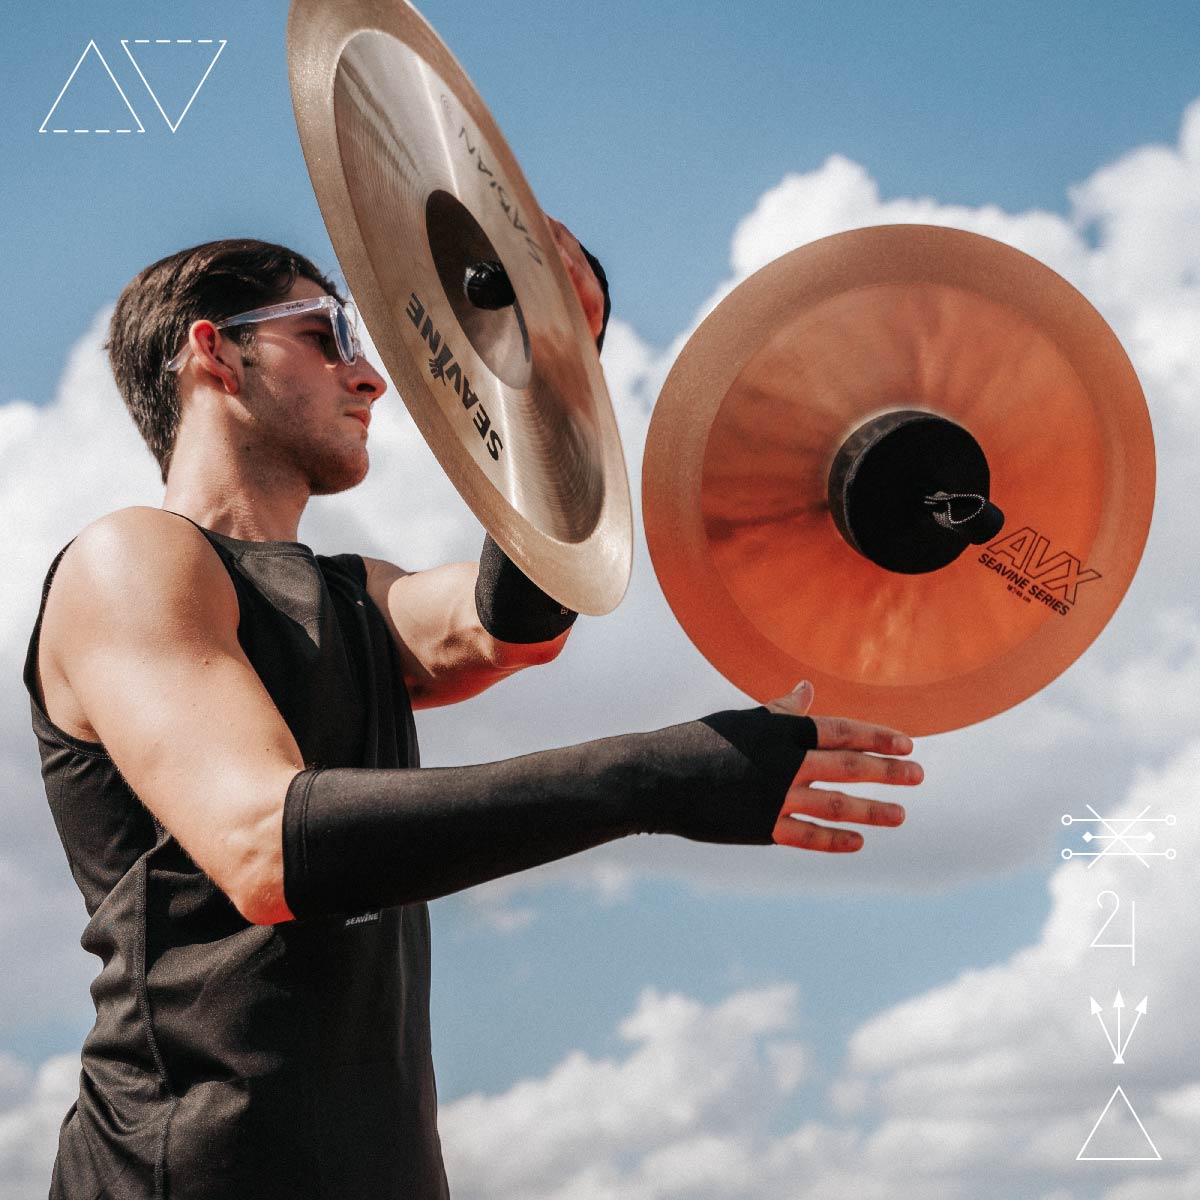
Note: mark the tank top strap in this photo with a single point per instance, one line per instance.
(229, 562)
(29, 673)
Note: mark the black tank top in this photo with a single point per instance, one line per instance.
(230, 1060)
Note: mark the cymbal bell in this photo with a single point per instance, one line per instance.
(874, 360)
(418, 189)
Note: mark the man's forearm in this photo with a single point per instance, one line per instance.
(357, 839)
(446, 653)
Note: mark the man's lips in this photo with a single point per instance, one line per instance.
(360, 414)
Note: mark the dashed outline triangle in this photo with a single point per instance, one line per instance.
(1082, 1157)
(104, 63)
(174, 125)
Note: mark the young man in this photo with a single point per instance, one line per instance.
(225, 723)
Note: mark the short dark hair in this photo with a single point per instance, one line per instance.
(157, 307)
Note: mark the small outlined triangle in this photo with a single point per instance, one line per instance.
(90, 48)
(1122, 1135)
(220, 43)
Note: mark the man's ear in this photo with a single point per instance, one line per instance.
(220, 357)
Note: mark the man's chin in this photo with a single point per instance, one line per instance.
(332, 478)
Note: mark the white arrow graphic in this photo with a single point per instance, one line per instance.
(1119, 1044)
(1141, 1012)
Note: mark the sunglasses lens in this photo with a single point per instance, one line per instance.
(344, 334)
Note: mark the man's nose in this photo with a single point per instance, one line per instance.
(365, 380)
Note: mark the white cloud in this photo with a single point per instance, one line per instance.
(32, 1106)
(1014, 1052)
(842, 195)
(685, 1102)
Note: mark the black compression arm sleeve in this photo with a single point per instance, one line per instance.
(356, 838)
(511, 606)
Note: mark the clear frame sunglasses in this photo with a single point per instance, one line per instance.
(344, 335)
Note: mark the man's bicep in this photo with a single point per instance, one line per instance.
(146, 634)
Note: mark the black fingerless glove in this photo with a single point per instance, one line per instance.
(511, 606)
(356, 839)
(722, 778)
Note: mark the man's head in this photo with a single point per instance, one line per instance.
(158, 307)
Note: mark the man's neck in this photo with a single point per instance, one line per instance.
(219, 500)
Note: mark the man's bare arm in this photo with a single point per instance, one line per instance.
(142, 623)
(446, 652)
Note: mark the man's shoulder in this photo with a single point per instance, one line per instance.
(139, 561)
(138, 545)
(379, 570)
(140, 531)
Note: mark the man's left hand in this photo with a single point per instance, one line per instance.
(583, 278)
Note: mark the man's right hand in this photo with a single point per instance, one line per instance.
(848, 751)
(582, 276)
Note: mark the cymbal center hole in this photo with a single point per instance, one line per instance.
(458, 245)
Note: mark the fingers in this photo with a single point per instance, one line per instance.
(849, 751)
(838, 733)
(583, 278)
(804, 835)
(796, 703)
(562, 235)
(838, 806)
(830, 806)
(853, 766)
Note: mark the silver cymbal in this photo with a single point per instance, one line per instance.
(416, 186)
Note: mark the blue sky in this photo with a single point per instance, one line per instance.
(654, 130)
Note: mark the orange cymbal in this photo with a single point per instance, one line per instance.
(418, 190)
(798, 449)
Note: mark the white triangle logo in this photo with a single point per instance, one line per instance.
(219, 43)
(47, 127)
(1118, 1141)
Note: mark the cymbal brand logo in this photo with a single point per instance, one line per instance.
(507, 204)
(1024, 561)
(445, 368)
